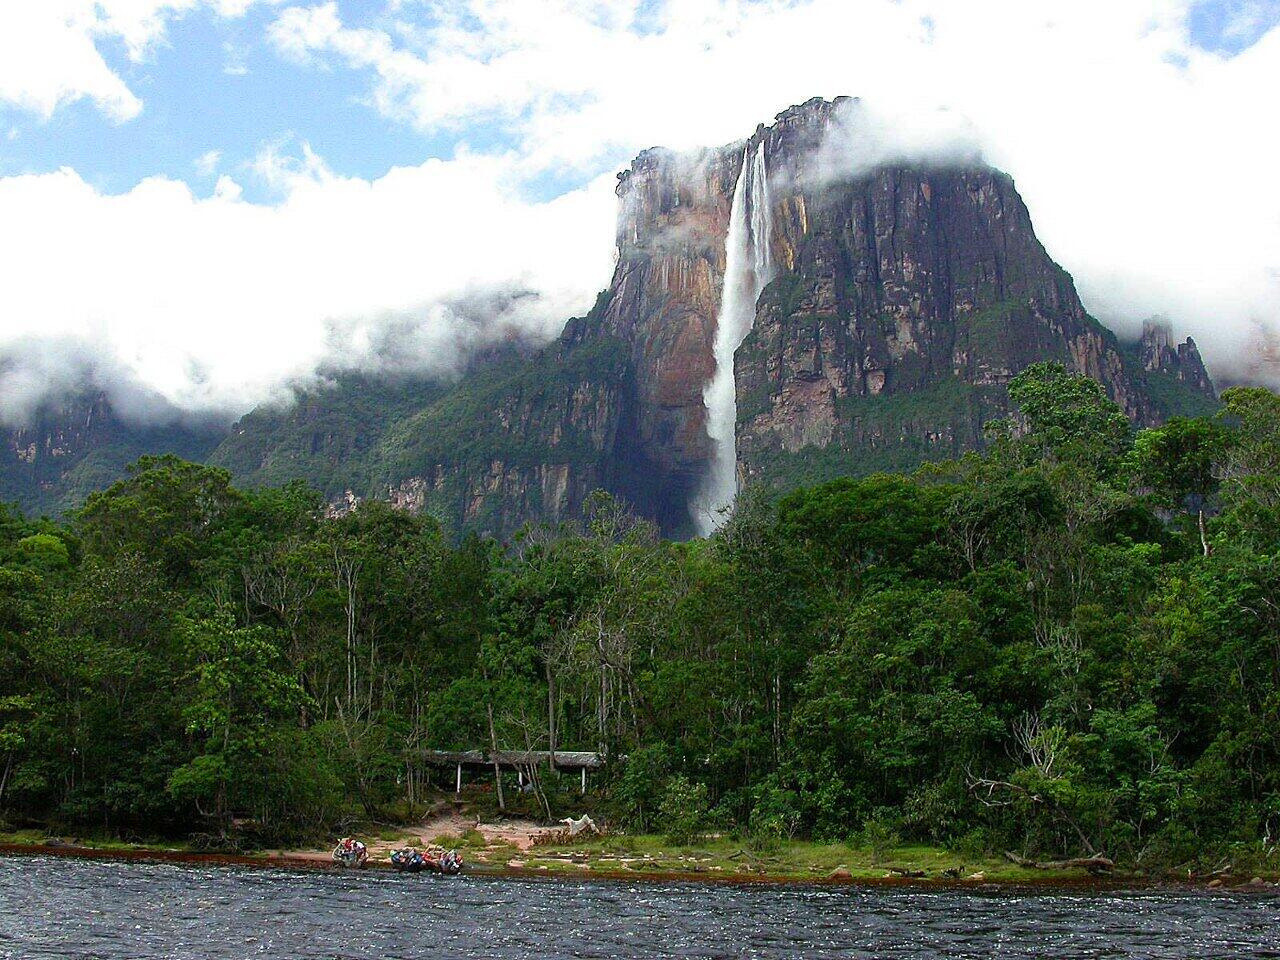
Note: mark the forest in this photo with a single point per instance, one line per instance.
(1066, 645)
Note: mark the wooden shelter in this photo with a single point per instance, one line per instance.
(566, 761)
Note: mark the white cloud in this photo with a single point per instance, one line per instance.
(1147, 162)
(216, 302)
(207, 163)
(49, 53)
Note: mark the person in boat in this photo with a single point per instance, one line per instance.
(408, 859)
(350, 852)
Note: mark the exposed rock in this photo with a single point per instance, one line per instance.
(1158, 352)
(905, 299)
(72, 446)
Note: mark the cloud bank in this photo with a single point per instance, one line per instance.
(215, 302)
(1146, 159)
(50, 54)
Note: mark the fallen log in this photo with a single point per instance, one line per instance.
(1094, 864)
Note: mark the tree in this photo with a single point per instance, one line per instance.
(1068, 416)
(166, 508)
(1251, 472)
(239, 692)
(1180, 463)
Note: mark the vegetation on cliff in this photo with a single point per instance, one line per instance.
(1066, 645)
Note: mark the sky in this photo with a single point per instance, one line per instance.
(209, 200)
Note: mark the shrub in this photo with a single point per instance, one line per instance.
(682, 811)
(637, 793)
(776, 813)
(974, 845)
(879, 837)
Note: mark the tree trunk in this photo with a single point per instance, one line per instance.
(1094, 864)
(493, 744)
(1204, 537)
(4, 778)
(551, 717)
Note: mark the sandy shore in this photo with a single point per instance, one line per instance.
(315, 860)
(500, 838)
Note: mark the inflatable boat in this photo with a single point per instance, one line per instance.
(409, 860)
(350, 853)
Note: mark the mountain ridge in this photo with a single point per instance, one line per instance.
(907, 296)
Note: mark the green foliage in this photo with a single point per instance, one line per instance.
(43, 551)
(485, 418)
(325, 434)
(880, 838)
(1068, 416)
(683, 810)
(888, 432)
(240, 693)
(638, 792)
(1177, 460)
(1030, 649)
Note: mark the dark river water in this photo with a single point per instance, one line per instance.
(70, 908)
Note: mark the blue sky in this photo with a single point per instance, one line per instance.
(181, 177)
(216, 83)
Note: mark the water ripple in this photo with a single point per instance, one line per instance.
(86, 909)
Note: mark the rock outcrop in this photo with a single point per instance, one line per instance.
(1160, 353)
(904, 297)
(72, 446)
(907, 297)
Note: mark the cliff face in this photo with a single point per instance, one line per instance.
(76, 445)
(903, 298)
(662, 302)
(1159, 353)
(906, 297)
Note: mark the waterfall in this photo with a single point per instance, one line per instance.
(747, 270)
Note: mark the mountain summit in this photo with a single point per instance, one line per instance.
(773, 317)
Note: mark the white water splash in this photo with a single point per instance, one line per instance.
(748, 269)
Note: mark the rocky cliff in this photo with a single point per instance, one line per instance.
(901, 299)
(912, 295)
(75, 445)
(905, 299)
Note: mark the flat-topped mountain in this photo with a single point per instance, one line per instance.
(770, 319)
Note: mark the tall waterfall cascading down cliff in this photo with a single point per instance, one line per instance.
(901, 300)
(747, 271)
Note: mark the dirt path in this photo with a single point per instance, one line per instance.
(518, 833)
(500, 836)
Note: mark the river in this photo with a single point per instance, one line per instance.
(52, 907)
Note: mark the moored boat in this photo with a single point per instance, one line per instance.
(409, 860)
(350, 853)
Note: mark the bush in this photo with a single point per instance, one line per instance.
(974, 845)
(763, 842)
(879, 837)
(682, 812)
(620, 843)
(637, 793)
(776, 813)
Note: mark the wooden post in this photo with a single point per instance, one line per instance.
(458, 788)
(584, 780)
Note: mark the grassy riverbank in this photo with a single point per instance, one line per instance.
(713, 859)
(723, 857)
